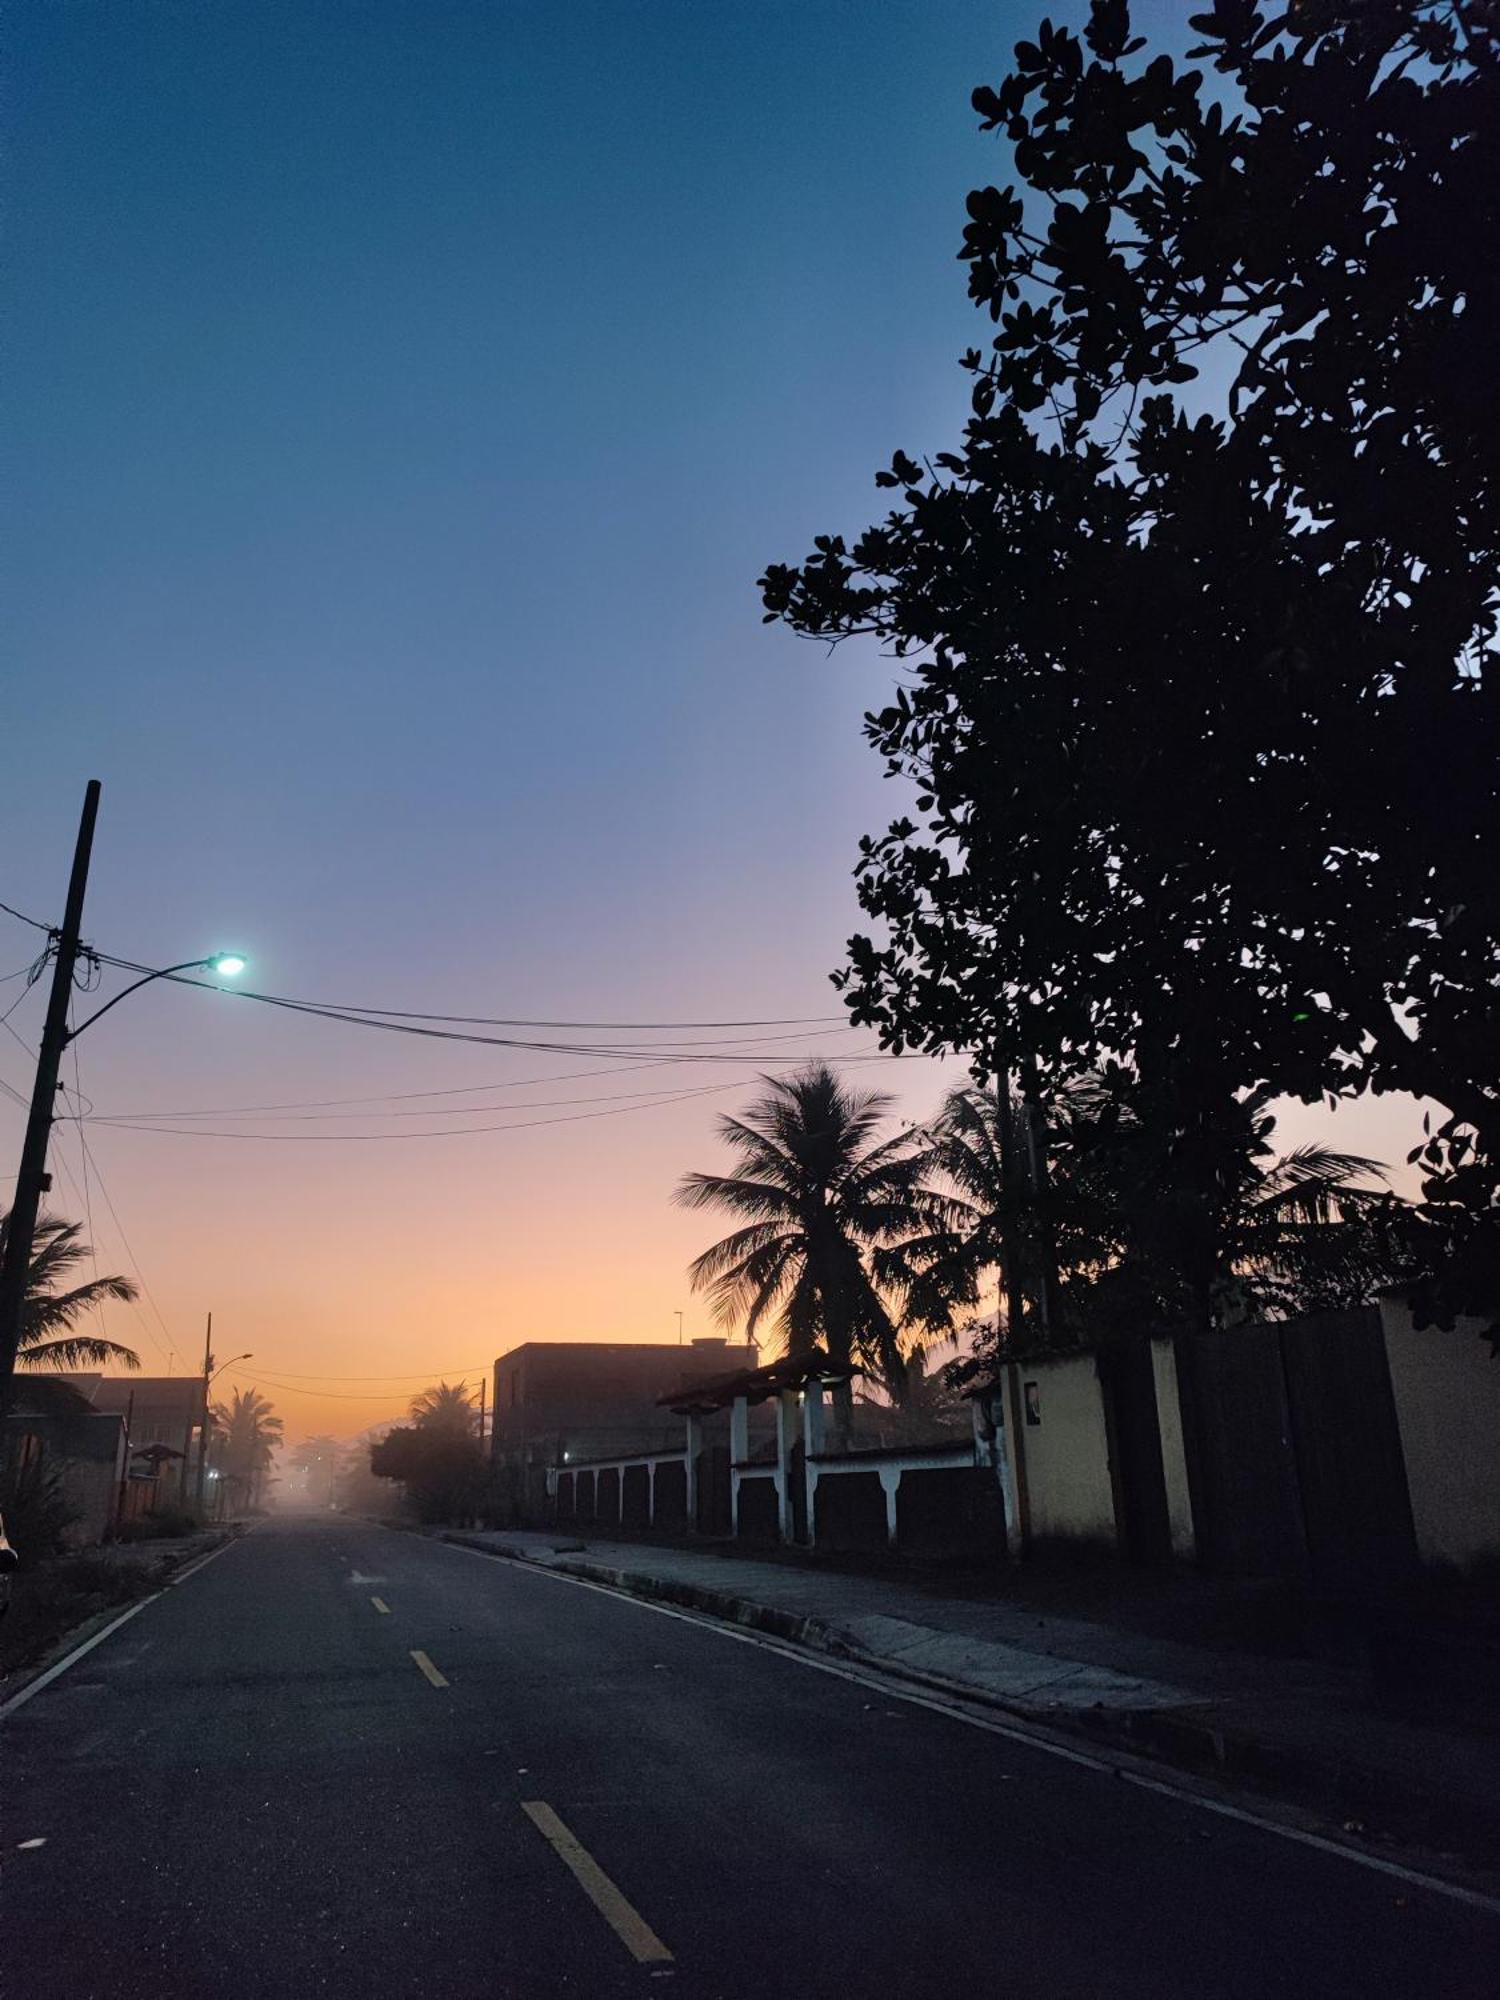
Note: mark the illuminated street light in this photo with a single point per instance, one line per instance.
(228, 964)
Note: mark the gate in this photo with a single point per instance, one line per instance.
(1294, 1454)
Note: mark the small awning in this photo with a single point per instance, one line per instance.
(754, 1384)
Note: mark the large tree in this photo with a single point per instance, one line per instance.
(248, 1436)
(1199, 619)
(816, 1187)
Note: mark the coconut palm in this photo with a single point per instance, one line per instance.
(319, 1458)
(1156, 1220)
(248, 1436)
(445, 1407)
(50, 1339)
(817, 1190)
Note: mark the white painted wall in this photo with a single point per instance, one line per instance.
(1068, 1492)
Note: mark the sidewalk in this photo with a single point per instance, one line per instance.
(1297, 1728)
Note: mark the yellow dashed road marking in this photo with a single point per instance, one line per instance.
(381, 1605)
(438, 1680)
(627, 1923)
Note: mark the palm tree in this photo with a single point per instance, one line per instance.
(319, 1458)
(1156, 1221)
(248, 1436)
(49, 1321)
(445, 1407)
(818, 1190)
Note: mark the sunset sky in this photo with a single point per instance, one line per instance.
(403, 399)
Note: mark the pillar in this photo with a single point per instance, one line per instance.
(813, 1441)
(739, 1451)
(788, 1423)
(694, 1452)
(890, 1482)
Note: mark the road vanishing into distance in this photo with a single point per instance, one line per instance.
(339, 1759)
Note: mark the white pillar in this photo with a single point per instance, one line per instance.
(890, 1480)
(813, 1437)
(739, 1451)
(694, 1447)
(788, 1422)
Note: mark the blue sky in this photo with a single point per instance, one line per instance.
(403, 399)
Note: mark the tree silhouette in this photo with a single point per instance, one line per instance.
(1201, 706)
(816, 1188)
(50, 1339)
(445, 1407)
(249, 1435)
(1149, 1232)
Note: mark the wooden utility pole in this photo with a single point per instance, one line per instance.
(32, 1180)
(208, 1365)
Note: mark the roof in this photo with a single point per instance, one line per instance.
(717, 1392)
(182, 1394)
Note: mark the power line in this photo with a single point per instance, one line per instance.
(259, 1381)
(447, 1132)
(493, 1021)
(733, 1051)
(412, 1375)
(125, 1241)
(457, 1111)
(21, 918)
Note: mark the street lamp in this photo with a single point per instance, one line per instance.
(210, 1376)
(227, 964)
(31, 1176)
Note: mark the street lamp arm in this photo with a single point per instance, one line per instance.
(226, 962)
(188, 965)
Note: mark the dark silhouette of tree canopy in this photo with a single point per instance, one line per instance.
(1138, 1246)
(445, 1407)
(817, 1188)
(249, 1436)
(1201, 708)
(441, 1467)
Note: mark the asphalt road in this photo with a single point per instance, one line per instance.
(504, 1784)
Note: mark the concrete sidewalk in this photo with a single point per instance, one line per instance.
(1297, 1728)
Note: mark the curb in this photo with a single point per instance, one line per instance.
(1363, 1797)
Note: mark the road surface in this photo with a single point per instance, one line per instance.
(340, 1760)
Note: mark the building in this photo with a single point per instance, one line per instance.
(567, 1402)
(158, 1410)
(85, 1450)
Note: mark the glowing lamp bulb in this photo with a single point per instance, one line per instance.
(227, 964)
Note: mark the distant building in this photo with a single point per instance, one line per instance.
(558, 1402)
(161, 1409)
(85, 1450)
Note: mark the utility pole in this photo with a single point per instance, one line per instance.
(1011, 1183)
(482, 1386)
(32, 1181)
(125, 1469)
(208, 1368)
(679, 1329)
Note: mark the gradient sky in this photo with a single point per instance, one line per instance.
(403, 399)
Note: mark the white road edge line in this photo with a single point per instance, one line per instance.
(97, 1639)
(1035, 1740)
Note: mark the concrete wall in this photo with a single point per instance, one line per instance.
(1173, 1450)
(1069, 1496)
(1447, 1391)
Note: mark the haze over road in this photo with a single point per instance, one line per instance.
(343, 1760)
